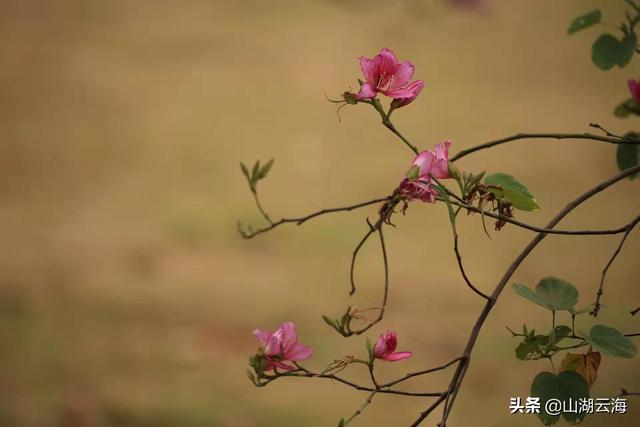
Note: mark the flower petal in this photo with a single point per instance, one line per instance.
(288, 336)
(403, 75)
(366, 92)
(634, 89)
(394, 357)
(262, 336)
(406, 95)
(299, 352)
(368, 67)
(424, 161)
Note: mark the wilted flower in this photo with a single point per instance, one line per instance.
(418, 183)
(281, 346)
(634, 89)
(386, 75)
(385, 348)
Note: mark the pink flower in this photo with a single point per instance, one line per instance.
(282, 346)
(386, 346)
(386, 75)
(634, 88)
(427, 164)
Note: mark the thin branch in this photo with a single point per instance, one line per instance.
(419, 373)
(303, 219)
(385, 295)
(429, 410)
(463, 272)
(460, 373)
(366, 403)
(633, 312)
(519, 136)
(386, 121)
(624, 392)
(596, 305)
(354, 256)
(262, 211)
(461, 203)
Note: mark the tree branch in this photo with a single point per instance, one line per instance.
(460, 373)
(596, 305)
(301, 220)
(519, 136)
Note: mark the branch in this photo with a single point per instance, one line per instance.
(303, 219)
(577, 136)
(596, 305)
(460, 373)
(461, 203)
(633, 312)
(424, 372)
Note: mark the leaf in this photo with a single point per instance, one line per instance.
(557, 293)
(611, 342)
(551, 293)
(254, 171)
(567, 387)
(341, 423)
(512, 190)
(586, 364)
(452, 215)
(628, 155)
(608, 51)
(245, 171)
(585, 21)
(265, 169)
(545, 387)
(572, 387)
(627, 108)
(535, 347)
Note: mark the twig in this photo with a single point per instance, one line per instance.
(418, 373)
(576, 136)
(354, 256)
(460, 373)
(596, 305)
(366, 403)
(303, 219)
(624, 392)
(633, 312)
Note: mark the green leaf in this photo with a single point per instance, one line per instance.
(512, 190)
(611, 342)
(245, 171)
(265, 169)
(566, 386)
(452, 215)
(533, 349)
(572, 387)
(551, 293)
(254, 171)
(585, 21)
(341, 423)
(608, 51)
(627, 108)
(545, 386)
(628, 155)
(525, 292)
(557, 293)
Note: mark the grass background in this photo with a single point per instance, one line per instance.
(127, 297)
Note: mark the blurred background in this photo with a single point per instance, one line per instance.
(127, 298)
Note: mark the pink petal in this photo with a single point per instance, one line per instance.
(366, 92)
(380, 348)
(394, 357)
(368, 67)
(262, 336)
(634, 89)
(403, 75)
(406, 95)
(424, 161)
(386, 62)
(289, 336)
(299, 352)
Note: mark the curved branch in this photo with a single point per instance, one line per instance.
(460, 373)
(596, 305)
(519, 136)
(303, 219)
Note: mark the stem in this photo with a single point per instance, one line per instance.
(596, 305)
(475, 332)
(386, 121)
(262, 211)
(519, 136)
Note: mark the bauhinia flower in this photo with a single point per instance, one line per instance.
(417, 184)
(385, 348)
(281, 346)
(384, 74)
(634, 89)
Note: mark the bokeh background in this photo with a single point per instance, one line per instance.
(127, 297)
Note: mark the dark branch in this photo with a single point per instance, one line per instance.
(596, 305)
(418, 373)
(459, 375)
(303, 219)
(519, 136)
